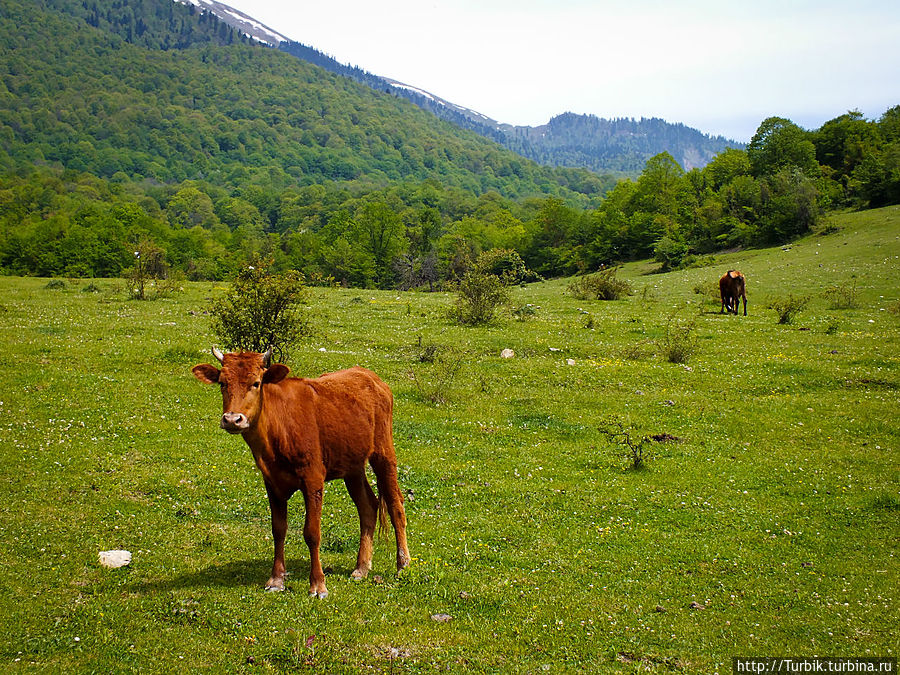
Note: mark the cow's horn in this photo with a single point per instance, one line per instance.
(219, 355)
(267, 357)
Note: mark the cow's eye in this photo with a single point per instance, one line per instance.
(256, 385)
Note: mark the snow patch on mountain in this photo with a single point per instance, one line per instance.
(242, 22)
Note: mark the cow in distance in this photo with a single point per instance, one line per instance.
(304, 432)
(733, 287)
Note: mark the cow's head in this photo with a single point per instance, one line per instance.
(241, 378)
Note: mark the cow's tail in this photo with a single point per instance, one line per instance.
(384, 523)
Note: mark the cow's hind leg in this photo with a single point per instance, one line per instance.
(385, 468)
(367, 506)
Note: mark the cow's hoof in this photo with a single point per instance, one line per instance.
(321, 595)
(275, 584)
(403, 560)
(359, 574)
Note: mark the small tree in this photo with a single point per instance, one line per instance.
(262, 309)
(150, 269)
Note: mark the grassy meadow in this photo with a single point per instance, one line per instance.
(765, 521)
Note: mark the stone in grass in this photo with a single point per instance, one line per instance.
(115, 559)
(507, 354)
(441, 618)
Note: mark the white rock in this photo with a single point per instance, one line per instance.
(570, 362)
(507, 354)
(115, 559)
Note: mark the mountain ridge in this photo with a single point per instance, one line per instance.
(618, 145)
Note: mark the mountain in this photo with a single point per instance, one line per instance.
(567, 140)
(622, 145)
(155, 90)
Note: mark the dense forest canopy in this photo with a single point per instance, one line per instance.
(145, 120)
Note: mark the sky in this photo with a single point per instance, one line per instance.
(720, 66)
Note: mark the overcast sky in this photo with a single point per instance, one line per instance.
(716, 65)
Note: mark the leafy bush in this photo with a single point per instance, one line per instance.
(261, 310)
(478, 297)
(843, 296)
(602, 285)
(55, 285)
(524, 312)
(679, 342)
(788, 307)
(483, 287)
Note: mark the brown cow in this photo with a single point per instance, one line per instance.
(732, 287)
(304, 432)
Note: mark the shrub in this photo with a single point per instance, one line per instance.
(679, 342)
(261, 310)
(478, 297)
(618, 434)
(788, 307)
(709, 289)
(524, 312)
(844, 296)
(441, 366)
(636, 351)
(600, 286)
(55, 285)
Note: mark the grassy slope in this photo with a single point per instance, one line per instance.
(777, 511)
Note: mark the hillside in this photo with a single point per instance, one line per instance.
(87, 99)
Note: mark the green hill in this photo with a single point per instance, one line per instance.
(87, 99)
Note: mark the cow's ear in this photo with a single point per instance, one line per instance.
(206, 373)
(275, 373)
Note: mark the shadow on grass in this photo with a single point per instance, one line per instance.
(251, 574)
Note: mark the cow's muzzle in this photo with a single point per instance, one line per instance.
(234, 423)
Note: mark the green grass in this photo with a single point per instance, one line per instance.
(777, 509)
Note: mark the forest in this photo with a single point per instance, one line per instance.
(219, 152)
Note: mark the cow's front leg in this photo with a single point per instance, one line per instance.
(278, 507)
(312, 495)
